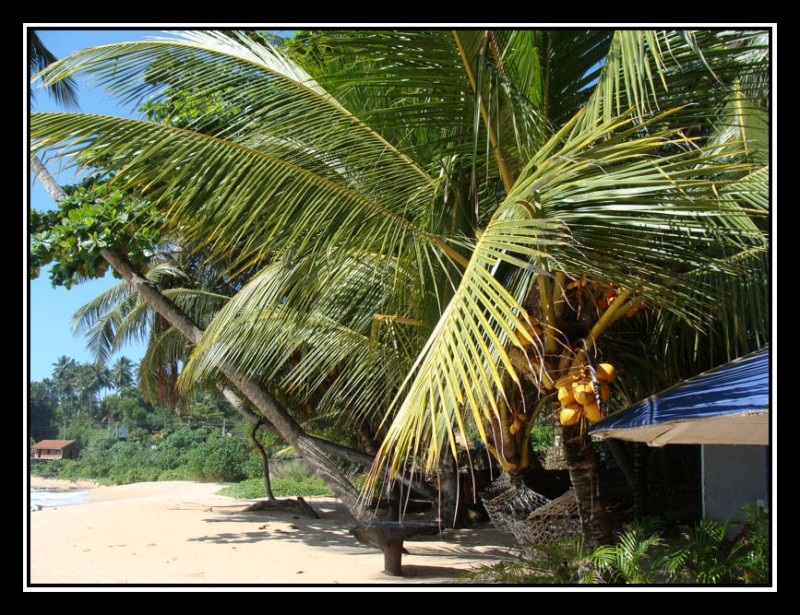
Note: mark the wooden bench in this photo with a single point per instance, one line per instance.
(388, 536)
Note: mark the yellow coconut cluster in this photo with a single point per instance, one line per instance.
(577, 395)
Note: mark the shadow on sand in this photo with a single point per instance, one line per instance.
(479, 544)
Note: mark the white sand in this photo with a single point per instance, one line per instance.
(182, 532)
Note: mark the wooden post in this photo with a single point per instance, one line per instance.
(392, 558)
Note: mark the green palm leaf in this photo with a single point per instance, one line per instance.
(605, 203)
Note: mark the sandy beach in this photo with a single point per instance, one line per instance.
(182, 532)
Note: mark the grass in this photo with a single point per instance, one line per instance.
(290, 479)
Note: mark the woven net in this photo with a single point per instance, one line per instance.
(554, 458)
(508, 502)
(516, 509)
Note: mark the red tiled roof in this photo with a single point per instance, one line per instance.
(53, 444)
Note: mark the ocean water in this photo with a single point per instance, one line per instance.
(49, 497)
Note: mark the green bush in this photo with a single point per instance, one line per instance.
(543, 434)
(184, 439)
(252, 466)
(219, 458)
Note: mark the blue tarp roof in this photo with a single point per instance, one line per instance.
(725, 405)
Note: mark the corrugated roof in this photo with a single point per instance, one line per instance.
(53, 444)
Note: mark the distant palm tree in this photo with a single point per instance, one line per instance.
(65, 373)
(122, 373)
(90, 380)
(449, 222)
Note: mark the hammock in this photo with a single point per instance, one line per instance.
(516, 509)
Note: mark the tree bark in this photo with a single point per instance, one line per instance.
(48, 182)
(582, 466)
(288, 428)
(451, 506)
(367, 439)
(264, 461)
(329, 447)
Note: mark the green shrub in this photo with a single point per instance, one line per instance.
(252, 466)
(543, 435)
(184, 439)
(702, 555)
(219, 458)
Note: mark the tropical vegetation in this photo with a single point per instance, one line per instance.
(647, 553)
(430, 233)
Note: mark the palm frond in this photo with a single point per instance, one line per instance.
(657, 70)
(607, 203)
(99, 319)
(296, 324)
(164, 348)
(65, 92)
(297, 160)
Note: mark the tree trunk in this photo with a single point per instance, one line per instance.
(264, 461)
(450, 507)
(582, 466)
(367, 439)
(48, 182)
(288, 428)
(329, 447)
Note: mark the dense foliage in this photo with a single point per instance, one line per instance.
(646, 553)
(185, 454)
(81, 400)
(95, 215)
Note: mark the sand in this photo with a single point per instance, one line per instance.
(182, 532)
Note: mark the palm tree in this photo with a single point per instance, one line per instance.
(122, 373)
(90, 379)
(447, 223)
(39, 58)
(64, 383)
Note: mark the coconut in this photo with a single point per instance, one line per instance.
(605, 391)
(565, 395)
(570, 415)
(568, 380)
(592, 412)
(583, 393)
(606, 372)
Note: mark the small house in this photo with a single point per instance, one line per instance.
(47, 450)
(726, 411)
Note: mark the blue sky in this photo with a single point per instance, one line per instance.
(51, 309)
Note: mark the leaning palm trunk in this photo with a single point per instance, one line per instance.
(286, 426)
